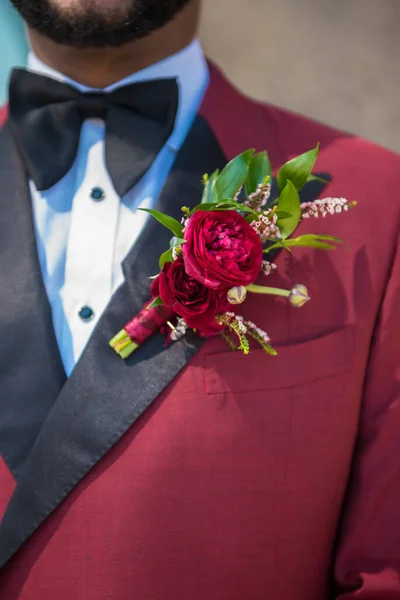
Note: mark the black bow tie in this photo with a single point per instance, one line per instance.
(46, 118)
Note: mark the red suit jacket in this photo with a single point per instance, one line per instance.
(194, 473)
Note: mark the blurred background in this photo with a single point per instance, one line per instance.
(337, 61)
(13, 47)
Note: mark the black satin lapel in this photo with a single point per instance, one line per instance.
(31, 372)
(105, 395)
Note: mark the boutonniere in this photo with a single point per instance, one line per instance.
(222, 245)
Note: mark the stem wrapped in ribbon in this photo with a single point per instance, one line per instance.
(148, 321)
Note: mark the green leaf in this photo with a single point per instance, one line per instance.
(213, 206)
(283, 214)
(312, 177)
(297, 170)
(311, 244)
(224, 205)
(165, 257)
(209, 193)
(232, 205)
(270, 350)
(204, 206)
(168, 222)
(259, 170)
(314, 241)
(289, 202)
(279, 244)
(317, 236)
(156, 302)
(233, 175)
(175, 241)
(307, 240)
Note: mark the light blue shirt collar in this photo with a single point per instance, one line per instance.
(188, 66)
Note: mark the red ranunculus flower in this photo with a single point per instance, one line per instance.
(193, 301)
(221, 249)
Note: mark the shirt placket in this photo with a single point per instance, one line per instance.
(90, 246)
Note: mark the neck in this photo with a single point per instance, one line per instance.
(101, 67)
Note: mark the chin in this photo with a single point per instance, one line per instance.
(89, 24)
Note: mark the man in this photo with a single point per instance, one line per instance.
(187, 471)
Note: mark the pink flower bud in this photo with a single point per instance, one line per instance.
(298, 295)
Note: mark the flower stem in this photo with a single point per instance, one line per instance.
(229, 340)
(123, 345)
(262, 289)
(127, 351)
(120, 337)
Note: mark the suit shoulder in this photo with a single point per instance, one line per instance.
(298, 133)
(345, 154)
(241, 122)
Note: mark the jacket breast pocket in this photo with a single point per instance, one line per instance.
(299, 364)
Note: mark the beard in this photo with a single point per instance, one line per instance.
(97, 23)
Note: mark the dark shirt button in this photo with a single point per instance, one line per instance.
(97, 194)
(86, 313)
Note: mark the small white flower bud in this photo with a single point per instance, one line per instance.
(237, 294)
(298, 297)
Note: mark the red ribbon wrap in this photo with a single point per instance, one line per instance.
(147, 322)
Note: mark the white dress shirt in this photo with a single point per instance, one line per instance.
(82, 239)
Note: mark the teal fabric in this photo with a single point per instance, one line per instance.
(13, 45)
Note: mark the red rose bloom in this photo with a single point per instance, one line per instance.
(221, 249)
(193, 301)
